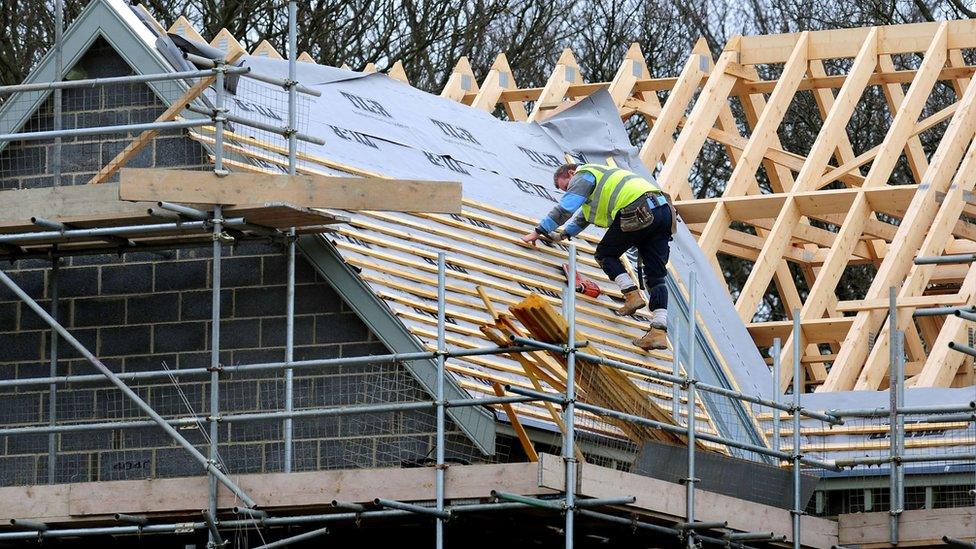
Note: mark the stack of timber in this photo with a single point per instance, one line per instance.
(600, 385)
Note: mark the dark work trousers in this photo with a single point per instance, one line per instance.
(653, 245)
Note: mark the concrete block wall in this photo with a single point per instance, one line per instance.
(148, 312)
(30, 164)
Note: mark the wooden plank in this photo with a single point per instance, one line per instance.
(744, 88)
(893, 39)
(91, 500)
(821, 330)
(892, 200)
(947, 300)
(90, 206)
(921, 527)
(517, 425)
(632, 68)
(312, 191)
(895, 97)
(816, 82)
(667, 499)
(66, 204)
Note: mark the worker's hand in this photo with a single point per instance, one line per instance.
(558, 234)
(530, 238)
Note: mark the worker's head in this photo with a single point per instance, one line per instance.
(563, 174)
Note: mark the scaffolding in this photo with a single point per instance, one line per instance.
(189, 226)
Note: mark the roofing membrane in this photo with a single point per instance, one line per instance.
(375, 125)
(378, 125)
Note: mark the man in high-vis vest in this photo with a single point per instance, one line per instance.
(636, 213)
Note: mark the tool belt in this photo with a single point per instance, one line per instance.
(639, 214)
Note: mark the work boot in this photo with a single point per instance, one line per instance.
(633, 301)
(655, 338)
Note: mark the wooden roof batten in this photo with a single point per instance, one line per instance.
(698, 110)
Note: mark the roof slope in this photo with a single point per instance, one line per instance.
(376, 125)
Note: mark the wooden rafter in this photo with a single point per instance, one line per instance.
(824, 214)
(860, 209)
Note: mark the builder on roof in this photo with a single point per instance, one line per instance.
(636, 213)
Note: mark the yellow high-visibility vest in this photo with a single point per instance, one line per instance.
(615, 188)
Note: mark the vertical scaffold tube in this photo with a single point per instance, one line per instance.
(892, 415)
(219, 118)
(569, 439)
(441, 349)
(289, 350)
(777, 348)
(57, 94)
(676, 372)
(292, 91)
(292, 169)
(797, 389)
(900, 429)
(692, 405)
(214, 359)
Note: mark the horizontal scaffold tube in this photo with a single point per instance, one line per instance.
(261, 416)
(906, 410)
(98, 130)
(204, 62)
(27, 238)
(269, 521)
(922, 458)
(133, 79)
(670, 378)
(945, 259)
(325, 362)
(941, 311)
(633, 523)
(964, 349)
(599, 410)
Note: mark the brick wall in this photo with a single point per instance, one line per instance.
(149, 312)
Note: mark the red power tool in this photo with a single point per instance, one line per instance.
(584, 285)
